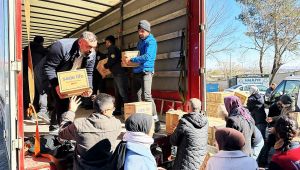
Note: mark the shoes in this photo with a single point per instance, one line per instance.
(44, 117)
(53, 129)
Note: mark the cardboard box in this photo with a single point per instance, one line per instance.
(243, 97)
(137, 107)
(217, 97)
(215, 110)
(129, 54)
(172, 119)
(214, 123)
(73, 83)
(100, 67)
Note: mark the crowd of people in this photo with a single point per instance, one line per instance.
(245, 143)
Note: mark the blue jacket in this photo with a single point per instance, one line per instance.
(146, 59)
(138, 157)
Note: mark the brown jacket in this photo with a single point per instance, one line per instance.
(95, 138)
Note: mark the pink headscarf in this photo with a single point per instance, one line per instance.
(234, 107)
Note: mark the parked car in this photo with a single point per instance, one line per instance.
(290, 85)
(246, 88)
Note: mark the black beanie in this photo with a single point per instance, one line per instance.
(139, 122)
(145, 25)
(286, 99)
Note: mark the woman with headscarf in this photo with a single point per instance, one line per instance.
(256, 107)
(230, 143)
(138, 137)
(240, 119)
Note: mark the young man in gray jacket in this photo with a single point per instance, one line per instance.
(95, 135)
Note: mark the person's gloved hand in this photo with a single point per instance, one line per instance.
(74, 103)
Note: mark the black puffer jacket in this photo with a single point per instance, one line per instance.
(256, 107)
(190, 137)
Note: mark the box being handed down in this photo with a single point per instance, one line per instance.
(137, 107)
(73, 83)
(101, 69)
(172, 119)
(129, 54)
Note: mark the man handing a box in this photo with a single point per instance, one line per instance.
(143, 74)
(64, 55)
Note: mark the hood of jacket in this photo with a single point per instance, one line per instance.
(198, 120)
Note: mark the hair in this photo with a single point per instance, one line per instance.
(38, 39)
(286, 128)
(102, 101)
(89, 36)
(111, 39)
(195, 104)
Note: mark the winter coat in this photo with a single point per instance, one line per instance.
(139, 157)
(146, 59)
(114, 61)
(247, 128)
(256, 107)
(95, 138)
(287, 160)
(231, 160)
(61, 57)
(190, 137)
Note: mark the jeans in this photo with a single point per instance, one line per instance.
(43, 102)
(121, 89)
(141, 89)
(256, 149)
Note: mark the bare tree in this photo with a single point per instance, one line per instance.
(219, 29)
(279, 23)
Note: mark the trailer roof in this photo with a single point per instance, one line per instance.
(55, 19)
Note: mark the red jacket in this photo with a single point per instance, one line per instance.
(289, 160)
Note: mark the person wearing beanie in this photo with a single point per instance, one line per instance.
(118, 72)
(255, 105)
(190, 137)
(143, 74)
(230, 142)
(138, 138)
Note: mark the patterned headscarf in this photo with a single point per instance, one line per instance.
(234, 107)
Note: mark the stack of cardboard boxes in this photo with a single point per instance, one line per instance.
(215, 108)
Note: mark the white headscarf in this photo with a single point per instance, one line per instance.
(253, 90)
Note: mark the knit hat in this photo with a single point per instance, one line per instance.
(145, 25)
(253, 90)
(229, 139)
(139, 122)
(286, 99)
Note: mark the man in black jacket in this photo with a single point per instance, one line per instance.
(64, 55)
(118, 72)
(190, 137)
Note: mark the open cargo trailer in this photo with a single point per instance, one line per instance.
(56, 19)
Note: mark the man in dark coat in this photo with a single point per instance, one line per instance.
(118, 72)
(256, 107)
(64, 55)
(190, 137)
